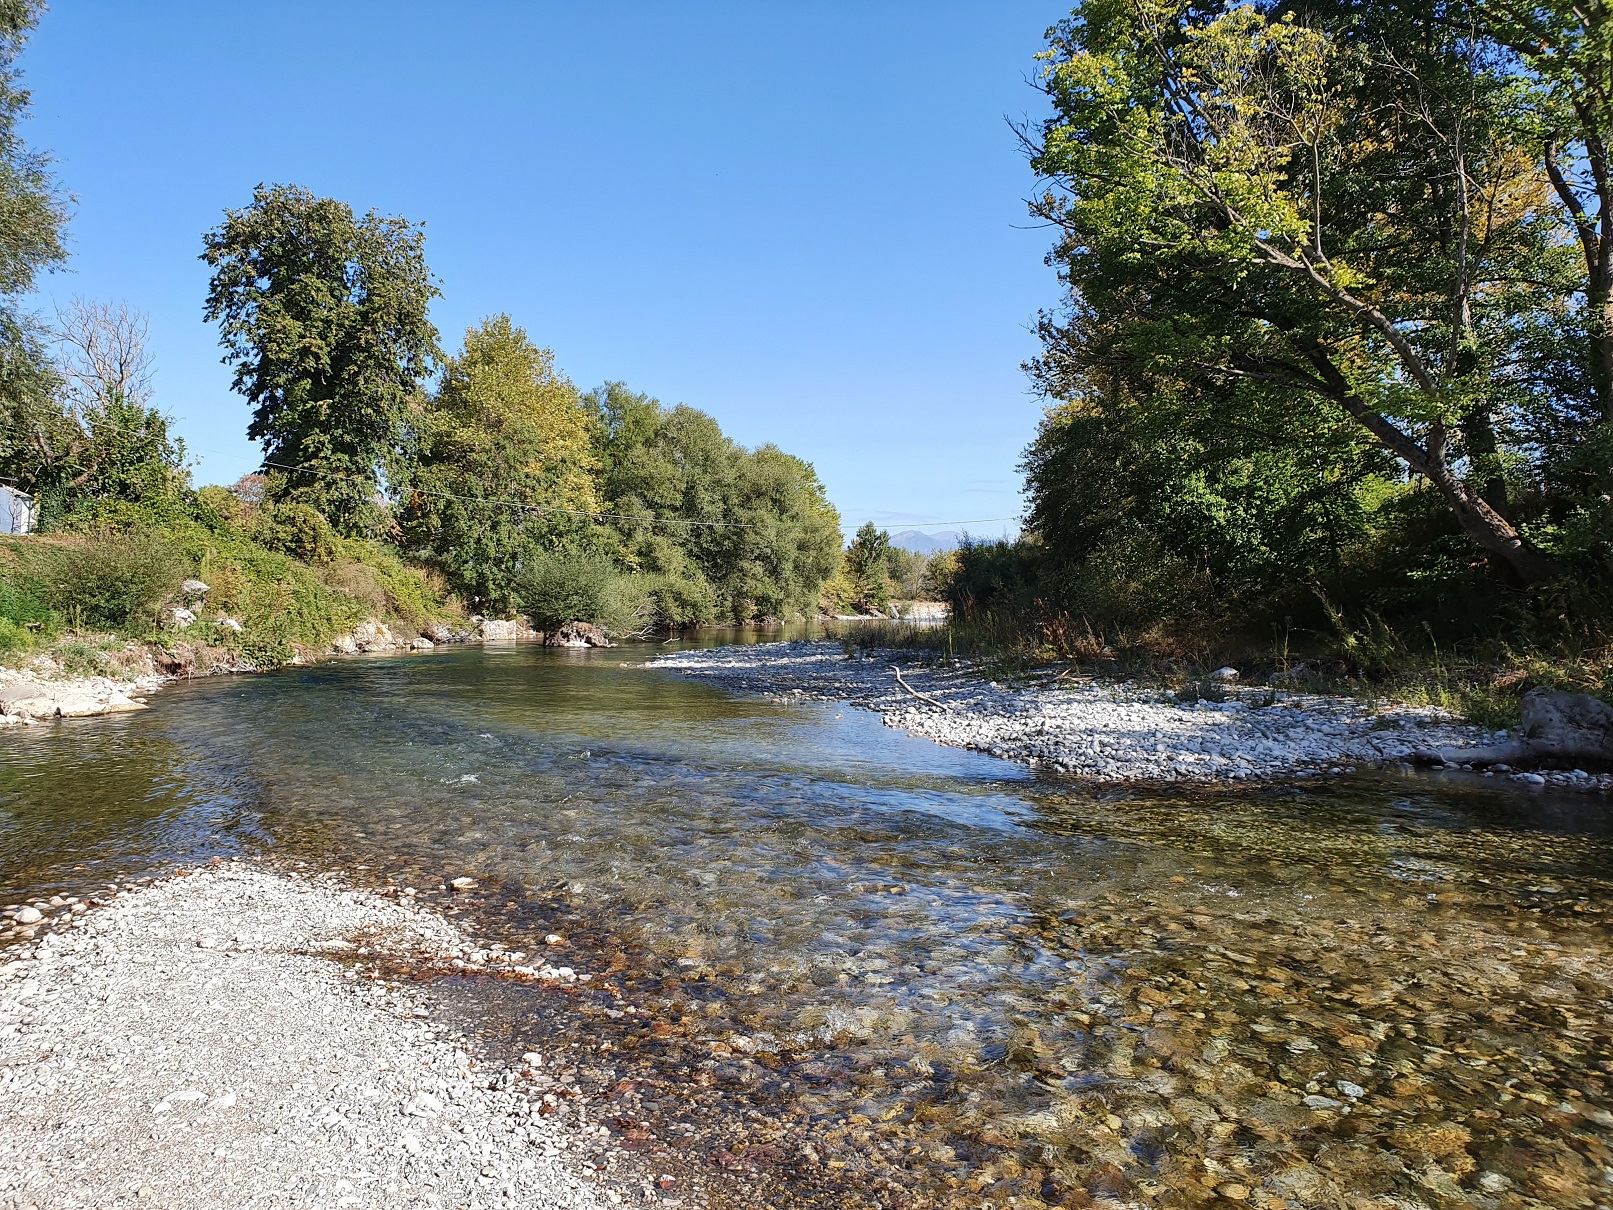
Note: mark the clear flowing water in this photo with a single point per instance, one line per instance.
(847, 967)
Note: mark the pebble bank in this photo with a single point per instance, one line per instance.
(194, 1044)
(1100, 730)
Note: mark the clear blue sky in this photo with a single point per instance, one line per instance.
(806, 219)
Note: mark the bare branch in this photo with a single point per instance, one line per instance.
(102, 355)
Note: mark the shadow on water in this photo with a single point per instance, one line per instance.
(855, 966)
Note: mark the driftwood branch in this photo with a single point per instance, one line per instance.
(921, 696)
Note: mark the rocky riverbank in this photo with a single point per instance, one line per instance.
(51, 686)
(216, 1039)
(1100, 730)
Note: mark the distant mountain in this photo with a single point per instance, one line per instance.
(927, 544)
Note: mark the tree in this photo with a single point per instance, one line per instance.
(1324, 205)
(323, 316)
(867, 566)
(503, 466)
(97, 437)
(119, 447)
(1231, 487)
(751, 529)
(33, 211)
(1567, 49)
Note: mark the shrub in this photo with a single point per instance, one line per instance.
(675, 601)
(299, 530)
(218, 508)
(21, 607)
(555, 588)
(12, 636)
(117, 580)
(85, 657)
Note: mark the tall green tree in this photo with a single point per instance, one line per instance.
(751, 527)
(323, 315)
(1567, 48)
(1328, 206)
(33, 212)
(866, 566)
(504, 464)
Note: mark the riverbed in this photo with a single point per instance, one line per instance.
(833, 964)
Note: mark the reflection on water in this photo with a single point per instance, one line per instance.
(875, 967)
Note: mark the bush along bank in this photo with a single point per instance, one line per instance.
(92, 618)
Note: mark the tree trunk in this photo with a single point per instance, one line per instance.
(1493, 532)
(1601, 331)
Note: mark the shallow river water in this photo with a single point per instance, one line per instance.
(834, 965)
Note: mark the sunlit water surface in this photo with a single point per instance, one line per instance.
(873, 970)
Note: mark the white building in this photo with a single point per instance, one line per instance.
(16, 511)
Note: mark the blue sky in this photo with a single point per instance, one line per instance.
(806, 219)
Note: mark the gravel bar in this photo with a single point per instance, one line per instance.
(193, 1044)
(1100, 730)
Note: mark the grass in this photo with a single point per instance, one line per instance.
(118, 577)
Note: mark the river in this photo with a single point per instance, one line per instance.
(838, 966)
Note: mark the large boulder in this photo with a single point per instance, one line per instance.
(1558, 729)
(500, 630)
(1567, 727)
(374, 636)
(578, 634)
(176, 617)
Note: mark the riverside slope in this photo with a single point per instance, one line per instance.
(187, 1045)
(1108, 732)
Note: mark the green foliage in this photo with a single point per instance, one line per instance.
(866, 567)
(13, 638)
(557, 588)
(84, 657)
(1329, 323)
(295, 529)
(20, 606)
(675, 602)
(908, 571)
(218, 508)
(112, 579)
(504, 465)
(94, 442)
(1263, 285)
(994, 577)
(752, 525)
(323, 316)
(862, 582)
(118, 577)
(35, 210)
(23, 617)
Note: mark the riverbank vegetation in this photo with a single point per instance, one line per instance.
(399, 482)
(873, 573)
(1333, 377)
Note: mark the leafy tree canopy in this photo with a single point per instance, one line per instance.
(751, 526)
(323, 316)
(34, 211)
(504, 464)
(1290, 216)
